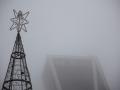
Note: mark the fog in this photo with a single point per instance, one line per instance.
(64, 27)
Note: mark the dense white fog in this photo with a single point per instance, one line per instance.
(64, 27)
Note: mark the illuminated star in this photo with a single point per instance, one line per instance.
(19, 21)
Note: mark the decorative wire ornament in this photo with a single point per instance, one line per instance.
(19, 21)
(18, 76)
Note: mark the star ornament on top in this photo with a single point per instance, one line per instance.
(19, 21)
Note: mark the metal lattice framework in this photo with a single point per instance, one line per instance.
(17, 76)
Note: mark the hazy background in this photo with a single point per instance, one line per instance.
(64, 27)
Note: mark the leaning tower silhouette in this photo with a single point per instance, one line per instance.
(17, 76)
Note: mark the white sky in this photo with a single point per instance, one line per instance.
(64, 27)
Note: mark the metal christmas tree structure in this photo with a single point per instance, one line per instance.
(17, 76)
